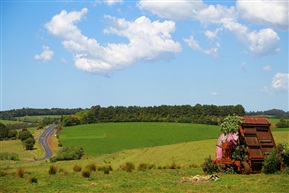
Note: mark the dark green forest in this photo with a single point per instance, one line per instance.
(204, 114)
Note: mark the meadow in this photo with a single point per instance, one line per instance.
(161, 145)
(106, 138)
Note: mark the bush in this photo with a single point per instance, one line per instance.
(77, 168)
(52, 170)
(20, 172)
(9, 156)
(91, 167)
(209, 167)
(32, 180)
(231, 124)
(128, 167)
(106, 170)
(272, 162)
(142, 167)
(69, 153)
(53, 159)
(86, 173)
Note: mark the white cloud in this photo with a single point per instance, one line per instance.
(214, 93)
(272, 13)
(192, 43)
(280, 82)
(46, 54)
(112, 2)
(262, 42)
(147, 41)
(267, 68)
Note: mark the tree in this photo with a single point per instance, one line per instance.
(25, 134)
(29, 143)
(3, 131)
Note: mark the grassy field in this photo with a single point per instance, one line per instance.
(184, 145)
(97, 139)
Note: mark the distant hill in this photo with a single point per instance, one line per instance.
(274, 113)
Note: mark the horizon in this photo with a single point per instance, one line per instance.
(144, 53)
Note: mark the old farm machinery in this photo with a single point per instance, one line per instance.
(245, 150)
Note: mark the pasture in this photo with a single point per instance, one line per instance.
(106, 138)
(158, 144)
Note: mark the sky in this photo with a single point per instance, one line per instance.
(70, 54)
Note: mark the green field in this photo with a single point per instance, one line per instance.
(159, 144)
(97, 139)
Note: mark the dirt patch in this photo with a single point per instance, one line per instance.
(198, 179)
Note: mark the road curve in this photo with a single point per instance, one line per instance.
(43, 140)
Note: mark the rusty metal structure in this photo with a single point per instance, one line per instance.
(256, 139)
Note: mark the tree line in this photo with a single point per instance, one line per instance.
(203, 114)
(276, 113)
(14, 113)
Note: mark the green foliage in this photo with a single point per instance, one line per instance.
(284, 150)
(231, 124)
(29, 143)
(70, 120)
(282, 124)
(25, 134)
(69, 153)
(209, 167)
(52, 170)
(3, 131)
(272, 162)
(9, 156)
(240, 152)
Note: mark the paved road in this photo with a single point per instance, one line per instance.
(43, 140)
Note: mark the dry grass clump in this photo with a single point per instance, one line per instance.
(20, 172)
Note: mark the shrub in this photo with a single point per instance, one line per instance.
(32, 180)
(69, 153)
(172, 166)
(20, 172)
(9, 156)
(128, 167)
(105, 170)
(142, 167)
(286, 170)
(91, 167)
(209, 167)
(231, 124)
(53, 159)
(272, 162)
(77, 168)
(86, 173)
(52, 170)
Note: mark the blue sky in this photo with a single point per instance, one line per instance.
(73, 54)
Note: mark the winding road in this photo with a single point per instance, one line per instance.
(43, 140)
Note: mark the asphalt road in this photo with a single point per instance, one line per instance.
(43, 140)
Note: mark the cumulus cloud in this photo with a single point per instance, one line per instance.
(147, 40)
(261, 42)
(192, 43)
(214, 93)
(280, 82)
(46, 54)
(272, 13)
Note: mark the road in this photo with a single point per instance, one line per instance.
(43, 140)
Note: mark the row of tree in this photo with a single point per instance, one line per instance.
(14, 113)
(275, 113)
(205, 114)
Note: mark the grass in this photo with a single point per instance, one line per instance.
(182, 155)
(98, 139)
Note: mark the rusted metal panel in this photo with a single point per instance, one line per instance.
(247, 120)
